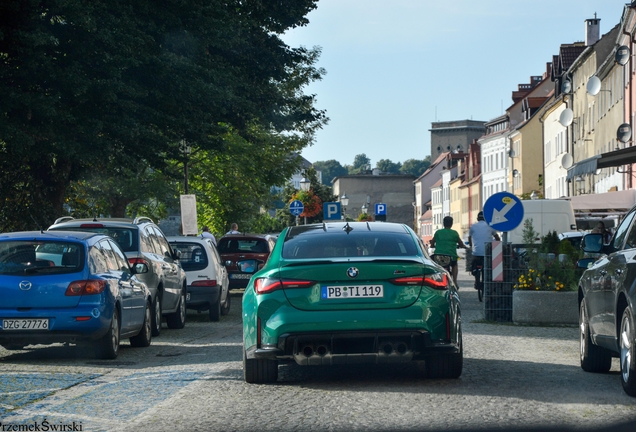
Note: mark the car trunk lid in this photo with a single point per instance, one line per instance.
(28, 291)
(374, 284)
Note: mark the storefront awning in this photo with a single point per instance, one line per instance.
(616, 201)
(615, 158)
(586, 166)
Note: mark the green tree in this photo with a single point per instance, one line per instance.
(388, 166)
(330, 170)
(325, 193)
(415, 167)
(81, 80)
(361, 164)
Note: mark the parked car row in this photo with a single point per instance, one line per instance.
(96, 281)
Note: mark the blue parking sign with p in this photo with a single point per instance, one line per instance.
(331, 211)
(380, 209)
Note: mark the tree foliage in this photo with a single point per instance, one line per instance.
(388, 166)
(330, 169)
(415, 167)
(84, 81)
(322, 193)
(361, 164)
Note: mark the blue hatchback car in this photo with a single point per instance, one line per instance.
(71, 287)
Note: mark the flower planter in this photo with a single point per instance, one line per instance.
(545, 307)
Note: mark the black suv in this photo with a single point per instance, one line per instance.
(143, 242)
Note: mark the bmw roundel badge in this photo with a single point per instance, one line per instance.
(352, 272)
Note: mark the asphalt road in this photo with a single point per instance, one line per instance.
(191, 379)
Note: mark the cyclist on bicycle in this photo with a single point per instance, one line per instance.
(478, 235)
(446, 241)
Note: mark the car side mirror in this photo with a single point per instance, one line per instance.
(592, 243)
(176, 254)
(585, 263)
(140, 268)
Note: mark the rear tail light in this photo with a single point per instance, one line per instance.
(408, 280)
(135, 261)
(438, 281)
(204, 283)
(267, 285)
(85, 287)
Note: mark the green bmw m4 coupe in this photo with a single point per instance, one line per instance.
(350, 292)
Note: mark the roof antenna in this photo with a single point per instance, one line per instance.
(347, 228)
(368, 226)
(324, 227)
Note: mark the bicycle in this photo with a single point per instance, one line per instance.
(478, 272)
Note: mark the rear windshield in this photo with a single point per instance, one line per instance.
(40, 257)
(127, 238)
(232, 245)
(193, 256)
(340, 244)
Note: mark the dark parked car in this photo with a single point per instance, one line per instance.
(243, 255)
(143, 242)
(607, 303)
(71, 287)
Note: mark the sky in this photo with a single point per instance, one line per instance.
(394, 67)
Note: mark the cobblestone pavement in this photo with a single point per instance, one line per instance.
(191, 379)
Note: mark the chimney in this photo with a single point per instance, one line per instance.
(592, 30)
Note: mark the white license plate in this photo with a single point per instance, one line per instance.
(25, 324)
(240, 276)
(352, 291)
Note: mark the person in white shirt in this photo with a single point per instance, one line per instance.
(234, 229)
(478, 235)
(207, 234)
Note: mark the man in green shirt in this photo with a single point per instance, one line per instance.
(446, 241)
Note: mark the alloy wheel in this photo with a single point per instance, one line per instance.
(115, 332)
(626, 344)
(582, 330)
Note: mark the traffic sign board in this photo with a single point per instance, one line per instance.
(296, 207)
(503, 211)
(331, 211)
(380, 209)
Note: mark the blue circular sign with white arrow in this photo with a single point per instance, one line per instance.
(296, 207)
(503, 211)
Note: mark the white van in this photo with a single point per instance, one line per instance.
(547, 215)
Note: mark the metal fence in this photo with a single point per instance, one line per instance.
(498, 295)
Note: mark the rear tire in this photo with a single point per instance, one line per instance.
(259, 371)
(446, 366)
(215, 310)
(225, 309)
(628, 353)
(480, 290)
(593, 357)
(156, 315)
(144, 337)
(108, 345)
(177, 319)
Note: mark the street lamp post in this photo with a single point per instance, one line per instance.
(344, 200)
(305, 185)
